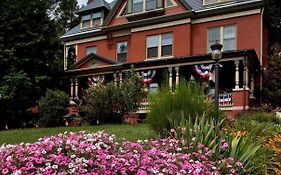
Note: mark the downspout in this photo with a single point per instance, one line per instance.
(244, 82)
(261, 51)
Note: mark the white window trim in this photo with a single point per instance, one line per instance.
(91, 21)
(222, 36)
(159, 48)
(117, 50)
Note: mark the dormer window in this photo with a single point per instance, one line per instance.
(207, 2)
(91, 20)
(86, 21)
(139, 6)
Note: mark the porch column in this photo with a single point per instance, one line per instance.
(120, 78)
(177, 76)
(71, 88)
(246, 76)
(170, 69)
(115, 78)
(252, 86)
(237, 74)
(76, 88)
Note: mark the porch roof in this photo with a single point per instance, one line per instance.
(248, 54)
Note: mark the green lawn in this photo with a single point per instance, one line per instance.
(130, 132)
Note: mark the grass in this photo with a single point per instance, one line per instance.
(129, 132)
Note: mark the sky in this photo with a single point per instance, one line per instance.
(84, 2)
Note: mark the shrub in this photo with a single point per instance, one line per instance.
(189, 101)
(262, 128)
(109, 103)
(224, 147)
(53, 107)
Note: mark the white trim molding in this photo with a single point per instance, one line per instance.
(157, 26)
(85, 40)
(226, 16)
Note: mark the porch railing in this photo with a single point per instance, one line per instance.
(225, 100)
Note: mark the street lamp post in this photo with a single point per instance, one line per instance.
(216, 56)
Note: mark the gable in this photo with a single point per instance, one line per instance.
(92, 60)
(119, 15)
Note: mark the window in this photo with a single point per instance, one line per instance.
(167, 44)
(207, 2)
(152, 46)
(86, 21)
(138, 6)
(226, 35)
(91, 49)
(150, 4)
(159, 45)
(96, 19)
(122, 51)
(92, 20)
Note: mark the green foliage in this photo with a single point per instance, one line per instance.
(272, 80)
(207, 131)
(189, 101)
(261, 127)
(108, 103)
(258, 124)
(53, 107)
(202, 130)
(243, 150)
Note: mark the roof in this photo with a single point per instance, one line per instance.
(91, 56)
(94, 5)
(195, 6)
(250, 54)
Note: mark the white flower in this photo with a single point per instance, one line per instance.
(70, 165)
(44, 151)
(55, 167)
(72, 156)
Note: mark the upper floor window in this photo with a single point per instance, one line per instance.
(92, 20)
(122, 49)
(86, 21)
(159, 46)
(207, 2)
(138, 6)
(226, 35)
(91, 49)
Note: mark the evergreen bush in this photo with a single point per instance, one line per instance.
(53, 107)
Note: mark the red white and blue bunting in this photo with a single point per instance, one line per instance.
(93, 80)
(203, 71)
(148, 76)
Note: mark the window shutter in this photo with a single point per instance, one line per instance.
(160, 3)
(129, 6)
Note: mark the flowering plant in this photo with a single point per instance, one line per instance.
(100, 153)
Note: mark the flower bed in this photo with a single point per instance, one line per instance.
(100, 153)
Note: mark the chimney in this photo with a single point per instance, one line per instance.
(89, 1)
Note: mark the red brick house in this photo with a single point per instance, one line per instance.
(174, 36)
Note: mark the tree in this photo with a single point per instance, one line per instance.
(30, 51)
(272, 83)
